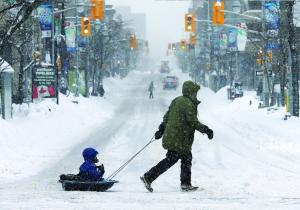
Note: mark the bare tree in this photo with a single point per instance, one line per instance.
(18, 13)
(15, 36)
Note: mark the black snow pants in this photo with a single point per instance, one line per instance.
(151, 94)
(171, 158)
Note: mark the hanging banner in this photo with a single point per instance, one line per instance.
(57, 24)
(45, 18)
(272, 17)
(81, 81)
(232, 39)
(70, 30)
(223, 41)
(273, 45)
(82, 74)
(44, 82)
(216, 43)
(241, 36)
(82, 43)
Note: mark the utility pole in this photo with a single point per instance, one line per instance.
(267, 66)
(294, 63)
(87, 71)
(284, 64)
(209, 37)
(77, 55)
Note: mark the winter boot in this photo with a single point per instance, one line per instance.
(147, 184)
(188, 188)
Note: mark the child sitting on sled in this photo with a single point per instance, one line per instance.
(88, 170)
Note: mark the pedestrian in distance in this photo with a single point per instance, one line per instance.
(151, 89)
(101, 90)
(177, 129)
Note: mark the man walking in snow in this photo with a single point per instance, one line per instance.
(178, 128)
(150, 89)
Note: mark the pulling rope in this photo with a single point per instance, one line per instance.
(128, 161)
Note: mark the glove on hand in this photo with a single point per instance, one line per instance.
(208, 131)
(160, 132)
(101, 168)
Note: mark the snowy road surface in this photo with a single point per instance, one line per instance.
(252, 163)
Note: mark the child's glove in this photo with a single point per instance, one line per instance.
(101, 168)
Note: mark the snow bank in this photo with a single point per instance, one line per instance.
(249, 140)
(44, 132)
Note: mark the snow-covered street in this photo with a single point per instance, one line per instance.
(149, 105)
(252, 163)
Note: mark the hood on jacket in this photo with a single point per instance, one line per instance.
(89, 154)
(190, 89)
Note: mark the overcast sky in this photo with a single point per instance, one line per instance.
(165, 20)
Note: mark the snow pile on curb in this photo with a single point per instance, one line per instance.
(44, 132)
(38, 133)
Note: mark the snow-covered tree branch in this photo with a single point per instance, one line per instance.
(18, 13)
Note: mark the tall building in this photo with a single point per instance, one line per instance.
(137, 21)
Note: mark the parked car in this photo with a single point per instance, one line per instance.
(170, 82)
(164, 67)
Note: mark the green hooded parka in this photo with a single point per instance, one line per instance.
(181, 120)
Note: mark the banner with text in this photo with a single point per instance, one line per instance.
(44, 82)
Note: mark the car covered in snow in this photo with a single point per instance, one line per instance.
(236, 91)
(164, 67)
(170, 82)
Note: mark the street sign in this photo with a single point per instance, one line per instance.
(271, 46)
(44, 82)
(259, 73)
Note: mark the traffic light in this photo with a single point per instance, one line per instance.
(190, 23)
(259, 60)
(183, 45)
(97, 9)
(218, 13)
(133, 42)
(86, 28)
(193, 39)
(269, 55)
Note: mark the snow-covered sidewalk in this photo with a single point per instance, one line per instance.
(43, 133)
